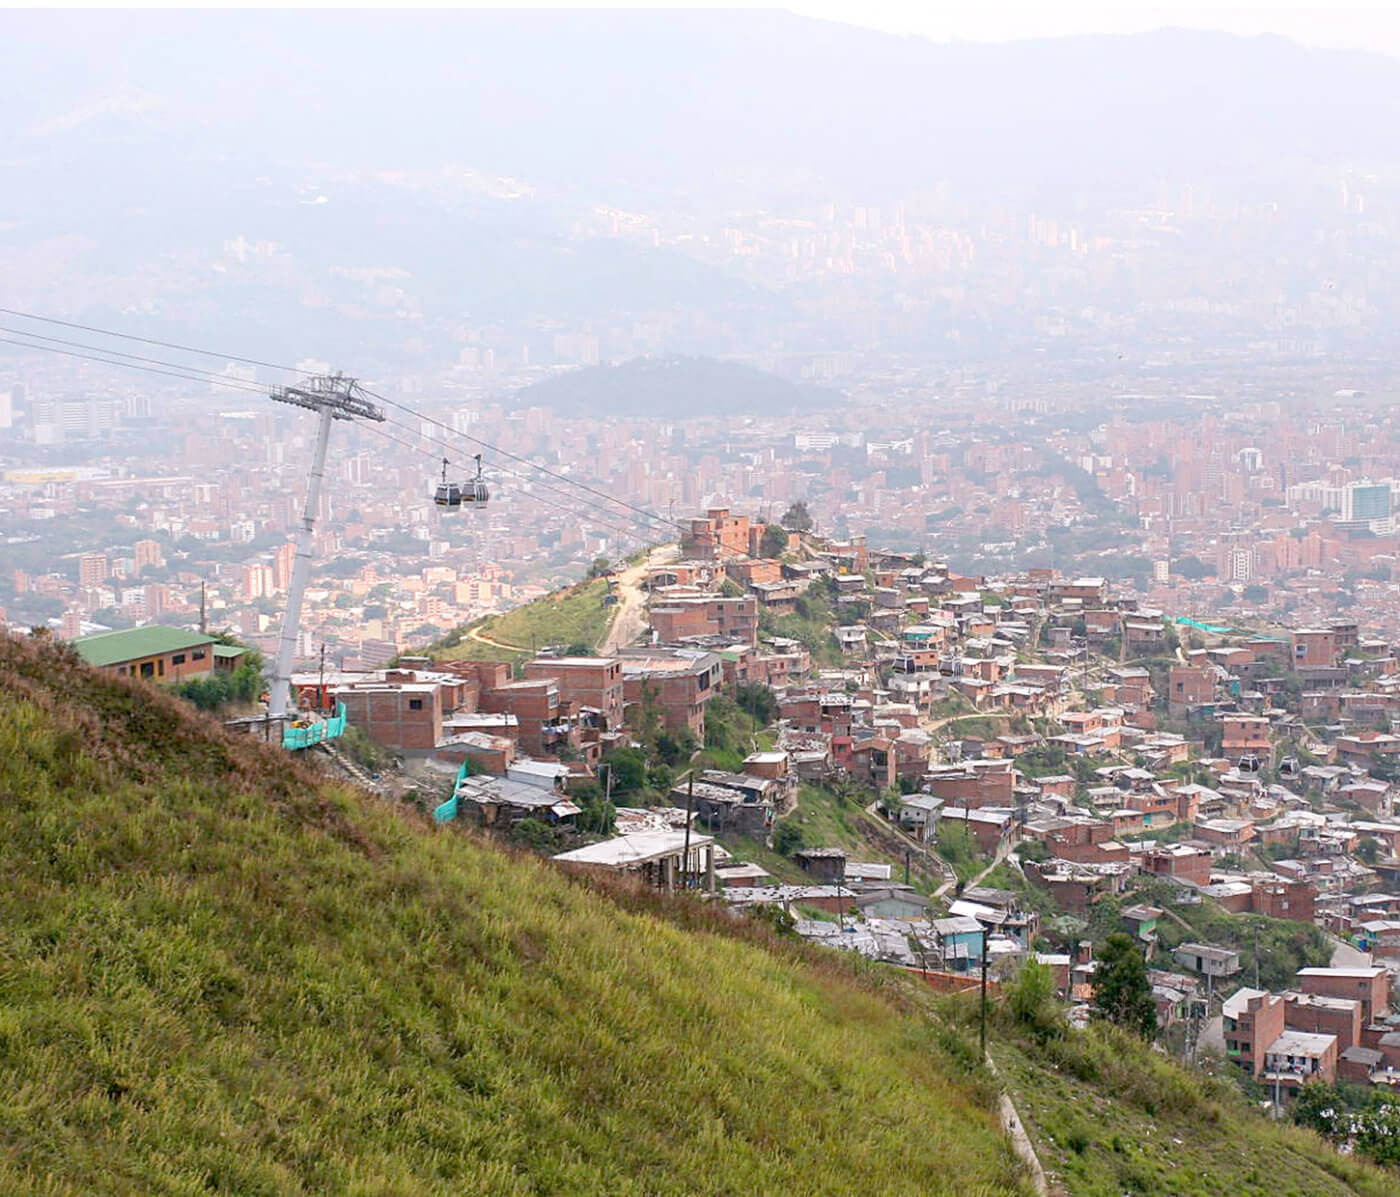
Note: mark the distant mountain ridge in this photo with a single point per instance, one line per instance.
(672, 387)
(707, 101)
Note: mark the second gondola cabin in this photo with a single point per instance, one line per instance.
(472, 493)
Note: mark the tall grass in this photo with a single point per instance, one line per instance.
(219, 974)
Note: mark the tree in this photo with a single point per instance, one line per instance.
(758, 700)
(629, 770)
(1320, 1106)
(1122, 994)
(797, 518)
(1254, 593)
(774, 541)
(1369, 850)
(599, 567)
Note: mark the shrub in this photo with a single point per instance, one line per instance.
(787, 838)
(1031, 1000)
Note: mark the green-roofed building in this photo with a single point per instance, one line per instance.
(155, 653)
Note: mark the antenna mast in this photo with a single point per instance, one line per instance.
(332, 397)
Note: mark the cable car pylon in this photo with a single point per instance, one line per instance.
(331, 397)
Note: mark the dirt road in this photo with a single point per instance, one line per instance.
(475, 634)
(629, 617)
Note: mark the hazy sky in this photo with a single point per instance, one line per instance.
(1366, 27)
(1370, 27)
(1355, 27)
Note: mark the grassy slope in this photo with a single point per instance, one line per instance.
(1110, 1116)
(575, 614)
(218, 973)
(1285, 946)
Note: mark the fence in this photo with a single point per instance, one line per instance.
(448, 810)
(326, 729)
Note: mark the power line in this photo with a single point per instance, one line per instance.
(670, 525)
(593, 518)
(533, 482)
(213, 374)
(650, 516)
(194, 373)
(107, 332)
(593, 490)
(236, 384)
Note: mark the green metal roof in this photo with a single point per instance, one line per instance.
(229, 652)
(112, 648)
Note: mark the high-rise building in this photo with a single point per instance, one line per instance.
(282, 563)
(92, 569)
(147, 552)
(1366, 501)
(1241, 565)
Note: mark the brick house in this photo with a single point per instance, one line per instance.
(1178, 861)
(1296, 1057)
(594, 682)
(674, 619)
(1245, 735)
(403, 716)
(1253, 1021)
(1321, 1015)
(1190, 686)
(1314, 648)
(715, 534)
(154, 653)
(536, 705)
(681, 684)
(1285, 900)
(1369, 985)
(974, 784)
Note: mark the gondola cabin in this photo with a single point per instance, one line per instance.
(472, 493)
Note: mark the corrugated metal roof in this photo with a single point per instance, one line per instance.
(112, 648)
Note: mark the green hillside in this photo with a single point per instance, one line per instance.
(1111, 1115)
(220, 974)
(574, 615)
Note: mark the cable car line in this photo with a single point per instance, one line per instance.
(253, 388)
(533, 482)
(660, 519)
(214, 375)
(568, 509)
(208, 377)
(107, 332)
(236, 384)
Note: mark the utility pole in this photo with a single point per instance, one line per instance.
(982, 1032)
(203, 623)
(1256, 955)
(689, 806)
(321, 683)
(331, 397)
